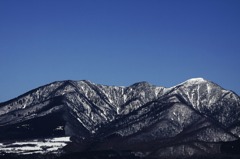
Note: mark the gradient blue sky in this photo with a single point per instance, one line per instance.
(118, 42)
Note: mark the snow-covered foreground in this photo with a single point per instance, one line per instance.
(52, 145)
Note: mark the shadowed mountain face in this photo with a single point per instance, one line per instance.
(196, 117)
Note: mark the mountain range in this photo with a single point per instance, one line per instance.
(194, 118)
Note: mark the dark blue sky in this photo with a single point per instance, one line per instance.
(118, 42)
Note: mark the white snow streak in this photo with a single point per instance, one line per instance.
(35, 146)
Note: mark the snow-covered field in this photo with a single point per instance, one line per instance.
(42, 146)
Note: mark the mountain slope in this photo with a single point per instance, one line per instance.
(194, 117)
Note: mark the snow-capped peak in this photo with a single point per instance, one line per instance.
(196, 80)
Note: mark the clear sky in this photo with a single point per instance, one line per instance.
(118, 42)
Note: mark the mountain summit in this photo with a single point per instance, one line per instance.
(196, 117)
